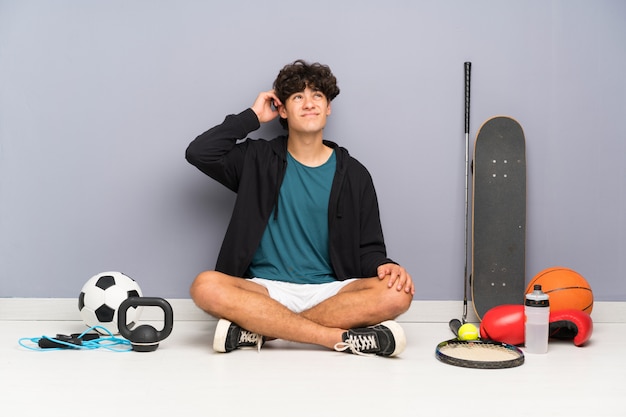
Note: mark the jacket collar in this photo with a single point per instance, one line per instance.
(279, 145)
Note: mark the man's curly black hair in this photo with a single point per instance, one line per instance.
(299, 75)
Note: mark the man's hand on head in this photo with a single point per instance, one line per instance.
(266, 106)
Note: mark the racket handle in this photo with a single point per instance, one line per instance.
(455, 325)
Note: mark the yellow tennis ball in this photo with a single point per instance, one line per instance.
(468, 332)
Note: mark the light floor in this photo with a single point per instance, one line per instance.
(184, 377)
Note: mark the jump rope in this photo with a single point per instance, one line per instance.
(96, 337)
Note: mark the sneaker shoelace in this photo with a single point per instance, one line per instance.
(357, 344)
(246, 338)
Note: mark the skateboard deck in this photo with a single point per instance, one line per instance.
(498, 215)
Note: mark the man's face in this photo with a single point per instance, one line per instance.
(306, 111)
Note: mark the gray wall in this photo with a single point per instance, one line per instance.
(98, 101)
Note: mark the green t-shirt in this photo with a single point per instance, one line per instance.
(294, 246)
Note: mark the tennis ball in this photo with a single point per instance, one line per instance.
(468, 332)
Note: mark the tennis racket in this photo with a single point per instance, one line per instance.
(481, 354)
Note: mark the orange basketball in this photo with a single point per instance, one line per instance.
(567, 289)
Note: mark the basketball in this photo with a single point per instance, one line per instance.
(567, 289)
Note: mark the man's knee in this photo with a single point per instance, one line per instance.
(203, 288)
(198, 283)
(389, 302)
(215, 292)
(398, 301)
(392, 301)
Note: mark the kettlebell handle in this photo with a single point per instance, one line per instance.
(145, 302)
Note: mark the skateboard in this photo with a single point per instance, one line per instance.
(498, 215)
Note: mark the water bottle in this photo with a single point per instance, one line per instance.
(537, 311)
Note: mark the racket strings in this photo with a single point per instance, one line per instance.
(479, 352)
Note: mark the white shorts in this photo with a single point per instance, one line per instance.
(301, 297)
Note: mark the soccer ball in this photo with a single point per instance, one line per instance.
(101, 297)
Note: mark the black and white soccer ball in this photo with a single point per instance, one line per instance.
(101, 296)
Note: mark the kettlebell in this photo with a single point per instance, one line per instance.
(145, 338)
